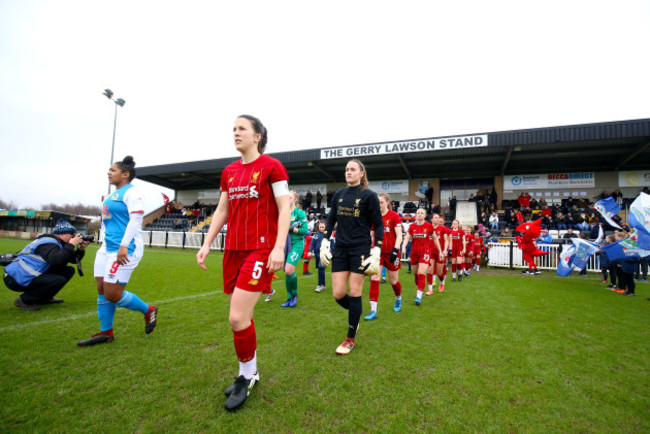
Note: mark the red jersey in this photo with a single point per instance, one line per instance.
(421, 238)
(469, 242)
(457, 239)
(479, 245)
(391, 221)
(252, 210)
(439, 231)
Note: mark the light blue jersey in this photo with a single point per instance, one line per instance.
(116, 212)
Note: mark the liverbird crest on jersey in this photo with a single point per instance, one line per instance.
(255, 177)
(356, 202)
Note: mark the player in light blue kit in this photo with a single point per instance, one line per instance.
(120, 253)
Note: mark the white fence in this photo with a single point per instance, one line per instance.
(180, 240)
(507, 254)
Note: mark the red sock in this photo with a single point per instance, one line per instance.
(430, 278)
(374, 290)
(453, 268)
(245, 343)
(444, 272)
(305, 267)
(415, 275)
(421, 282)
(397, 289)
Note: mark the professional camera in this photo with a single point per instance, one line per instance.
(89, 238)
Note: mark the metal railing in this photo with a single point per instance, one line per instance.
(507, 254)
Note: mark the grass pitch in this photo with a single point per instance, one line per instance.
(498, 352)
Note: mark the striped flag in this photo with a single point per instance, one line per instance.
(639, 219)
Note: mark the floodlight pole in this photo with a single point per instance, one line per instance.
(119, 101)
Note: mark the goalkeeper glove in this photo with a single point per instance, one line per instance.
(393, 255)
(372, 262)
(325, 254)
(294, 226)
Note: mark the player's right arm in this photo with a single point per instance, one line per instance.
(218, 220)
(406, 241)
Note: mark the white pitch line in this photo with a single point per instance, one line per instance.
(83, 315)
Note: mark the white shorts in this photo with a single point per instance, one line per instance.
(106, 266)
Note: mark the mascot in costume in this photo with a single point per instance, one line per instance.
(526, 242)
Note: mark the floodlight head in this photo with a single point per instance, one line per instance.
(120, 102)
(108, 93)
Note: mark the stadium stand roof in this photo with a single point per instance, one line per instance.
(609, 146)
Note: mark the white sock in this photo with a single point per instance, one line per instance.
(373, 306)
(419, 294)
(478, 267)
(398, 297)
(248, 369)
(454, 274)
(430, 287)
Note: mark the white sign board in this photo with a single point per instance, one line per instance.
(302, 190)
(423, 145)
(209, 194)
(399, 187)
(548, 181)
(466, 213)
(634, 178)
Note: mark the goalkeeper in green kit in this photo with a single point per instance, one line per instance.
(297, 230)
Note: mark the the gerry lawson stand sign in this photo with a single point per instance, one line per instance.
(423, 145)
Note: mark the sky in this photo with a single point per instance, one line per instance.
(317, 75)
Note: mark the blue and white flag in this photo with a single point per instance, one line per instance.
(639, 219)
(608, 208)
(564, 265)
(575, 257)
(627, 248)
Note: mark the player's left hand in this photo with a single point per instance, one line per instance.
(276, 260)
(392, 256)
(123, 255)
(372, 262)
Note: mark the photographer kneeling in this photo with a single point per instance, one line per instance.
(40, 271)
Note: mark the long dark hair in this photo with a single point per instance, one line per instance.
(259, 129)
(127, 165)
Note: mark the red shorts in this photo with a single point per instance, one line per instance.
(390, 266)
(435, 259)
(420, 258)
(455, 253)
(246, 269)
(477, 253)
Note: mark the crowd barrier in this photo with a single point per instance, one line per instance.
(180, 240)
(500, 254)
(507, 254)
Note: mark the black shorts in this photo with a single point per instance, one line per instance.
(349, 258)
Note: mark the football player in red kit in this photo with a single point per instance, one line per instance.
(457, 249)
(420, 233)
(255, 202)
(390, 257)
(479, 248)
(438, 256)
(469, 250)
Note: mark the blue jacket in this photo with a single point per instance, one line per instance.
(314, 247)
(29, 265)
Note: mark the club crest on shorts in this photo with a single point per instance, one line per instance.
(253, 282)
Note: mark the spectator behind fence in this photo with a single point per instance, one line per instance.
(494, 221)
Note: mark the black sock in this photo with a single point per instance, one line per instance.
(344, 302)
(354, 315)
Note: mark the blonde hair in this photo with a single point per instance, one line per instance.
(295, 195)
(386, 197)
